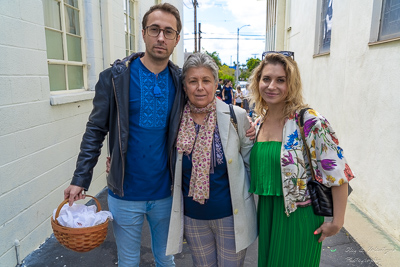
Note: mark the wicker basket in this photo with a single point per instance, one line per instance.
(79, 239)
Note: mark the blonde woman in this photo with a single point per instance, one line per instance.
(290, 234)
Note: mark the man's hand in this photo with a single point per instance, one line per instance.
(108, 164)
(251, 132)
(74, 193)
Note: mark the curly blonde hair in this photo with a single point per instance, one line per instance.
(294, 99)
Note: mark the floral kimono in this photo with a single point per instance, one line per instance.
(330, 166)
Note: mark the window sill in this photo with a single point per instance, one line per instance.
(384, 41)
(59, 99)
(321, 54)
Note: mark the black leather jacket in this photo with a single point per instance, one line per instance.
(110, 115)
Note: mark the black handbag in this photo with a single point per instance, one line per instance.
(321, 195)
(233, 117)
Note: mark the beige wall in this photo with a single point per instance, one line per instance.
(357, 88)
(39, 142)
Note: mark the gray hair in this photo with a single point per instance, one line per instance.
(198, 60)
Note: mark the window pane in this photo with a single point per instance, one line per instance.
(72, 20)
(126, 22)
(326, 25)
(390, 25)
(73, 3)
(132, 26)
(75, 77)
(54, 45)
(125, 10)
(74, 48)
(51, 11)
(57, 77)
(131, 9)
(126, 41)
(130, 44)
(132, 47)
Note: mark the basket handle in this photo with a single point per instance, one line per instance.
(66, 201)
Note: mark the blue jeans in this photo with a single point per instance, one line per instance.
(128, 222)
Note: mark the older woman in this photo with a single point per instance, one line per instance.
(212, 207)
(290, 234)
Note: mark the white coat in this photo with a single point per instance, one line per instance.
(237, 149)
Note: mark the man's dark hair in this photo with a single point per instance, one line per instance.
(168, 8)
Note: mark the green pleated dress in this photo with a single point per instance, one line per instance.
(282, 241)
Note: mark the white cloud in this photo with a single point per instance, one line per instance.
(251, 12)
(221, 19)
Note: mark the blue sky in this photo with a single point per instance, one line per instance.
(220, 20)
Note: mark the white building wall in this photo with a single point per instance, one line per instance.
(356, 88)
(39, 142)
(177, 57)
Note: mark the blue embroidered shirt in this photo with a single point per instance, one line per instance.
(150, 102)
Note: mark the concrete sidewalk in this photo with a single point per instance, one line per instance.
(340, 250)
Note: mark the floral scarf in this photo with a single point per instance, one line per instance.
(187, 142)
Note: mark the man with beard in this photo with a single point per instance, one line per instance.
(138, 103)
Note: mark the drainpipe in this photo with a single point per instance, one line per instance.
(17, 244)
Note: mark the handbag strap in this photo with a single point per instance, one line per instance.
(233, 117)
(300, 122)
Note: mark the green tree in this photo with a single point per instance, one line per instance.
(244, 75)
(226, 73)
(248, 68)
(216, 58)
(252, 63)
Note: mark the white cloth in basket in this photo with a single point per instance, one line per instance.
(80, 215)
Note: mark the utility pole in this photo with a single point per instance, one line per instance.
(237, 53)
(195, 4)
(199, 37)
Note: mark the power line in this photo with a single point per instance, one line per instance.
(227, 38)
(249, 35)
(187, 6)
(227, 34)
(212, 20)
(233, 34)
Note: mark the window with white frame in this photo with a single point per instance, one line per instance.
(270, 37)
(385, 20)
(324, 26)
(130, 24)
(65, 53)
(275, 25)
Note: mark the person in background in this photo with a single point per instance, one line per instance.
(212, 207)
(245, 102)
(290, 234)
(219, 89)
(238, 96)
(138, 103)
(227, 92)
